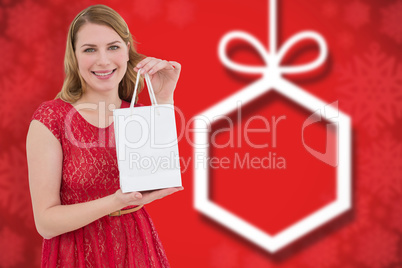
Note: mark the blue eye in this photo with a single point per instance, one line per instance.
(89, 50)
(114, 48)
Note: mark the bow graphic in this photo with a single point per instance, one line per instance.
(271, 58)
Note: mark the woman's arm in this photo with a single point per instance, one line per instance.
(45, 158)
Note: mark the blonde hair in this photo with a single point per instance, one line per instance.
(74, 85)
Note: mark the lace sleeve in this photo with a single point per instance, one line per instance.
(48, 115)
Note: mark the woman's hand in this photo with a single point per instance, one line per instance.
(164, 76)
(137, 198)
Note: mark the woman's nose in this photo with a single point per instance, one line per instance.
(103, 59)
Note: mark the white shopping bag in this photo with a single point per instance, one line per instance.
(146, 145)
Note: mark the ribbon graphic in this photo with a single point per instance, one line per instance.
(271, 58)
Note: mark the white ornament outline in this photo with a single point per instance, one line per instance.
(271, 79)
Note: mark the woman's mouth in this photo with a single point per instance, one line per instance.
(103, 74)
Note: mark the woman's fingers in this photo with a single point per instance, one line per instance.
(149, 65)
(126, 199)
(176, 65)
(144, 62)
(164, 76)
(158, 194)
(163, 64)
(138, 198)
(152, 65)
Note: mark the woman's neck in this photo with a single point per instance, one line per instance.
(98, 109)
(96, 101)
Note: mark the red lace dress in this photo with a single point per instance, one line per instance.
(90, 172)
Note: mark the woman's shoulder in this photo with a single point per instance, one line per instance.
(52, 114)
(56, 108)
(55, 103)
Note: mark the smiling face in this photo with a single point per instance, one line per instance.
(102, 57)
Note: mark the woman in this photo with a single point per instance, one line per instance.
(85, 219)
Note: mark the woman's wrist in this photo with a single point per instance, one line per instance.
(117, 202)
(122, 200)
(164, 101)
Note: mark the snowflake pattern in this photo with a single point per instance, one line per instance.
(253, 260)
(49, 68)
(38, 22)
(329, 9)
(14, 200)
(148, 9)
(27, 59)
(377, 248)
(30, 92)
(11, 248)
(396, 217)
(370, 89)
(363, 218)
(180, 12)
(38, 256)
(224, 255)
(346, 39)
(391, 23)
(2, 16)
(6, 45)
(72, 9)
(381, 169)
(9, 2)
(323, 254)
(357, 14)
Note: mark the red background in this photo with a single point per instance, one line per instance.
(363, 72)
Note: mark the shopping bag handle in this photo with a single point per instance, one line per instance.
(150, 89)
